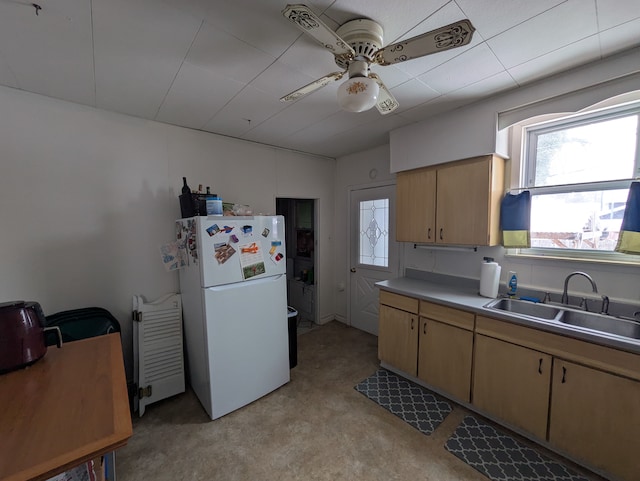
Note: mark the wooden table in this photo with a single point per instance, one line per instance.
(67, 408)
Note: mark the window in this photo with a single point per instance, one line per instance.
(373, 246)
(579, 170)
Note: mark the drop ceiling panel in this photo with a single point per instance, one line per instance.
(196, 95)
(136, 60)
(620, 38)
(249, 109)
(413, 93)
(7, 77)
(363, 137)
(222, 53)
(583, 51)
(492, 18)
(279, 79)
(616, 12)
(467, 68)
(49, 53)
(320, 131)
(260, 24)
(478, 90)
(564, 24)
(306, 111)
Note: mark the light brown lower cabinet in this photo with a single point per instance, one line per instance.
(445, 349)
(595, 417)
(512, 383)
(398, 332)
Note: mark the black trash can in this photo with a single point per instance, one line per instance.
(82, 323)
(292, 316)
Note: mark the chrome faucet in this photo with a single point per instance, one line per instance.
(565, 296)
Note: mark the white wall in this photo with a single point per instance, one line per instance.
(87, 196)
(353, 172)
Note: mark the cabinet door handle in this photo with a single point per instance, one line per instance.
(412, 322)
(564, 375)
(540, 366)
(429, 233)
(441, 229)
(424, 328)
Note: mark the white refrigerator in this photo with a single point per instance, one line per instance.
(234, 299)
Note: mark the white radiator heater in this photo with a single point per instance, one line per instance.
(158, 349)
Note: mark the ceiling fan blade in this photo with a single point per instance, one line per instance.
(312, 87)
(310, 23)
(451, 36)
(386, 103)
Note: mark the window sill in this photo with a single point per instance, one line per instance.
(612, 258)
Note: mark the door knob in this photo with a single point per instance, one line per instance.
(353, 269)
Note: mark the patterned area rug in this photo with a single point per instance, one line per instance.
(503, 458)
(412, 403)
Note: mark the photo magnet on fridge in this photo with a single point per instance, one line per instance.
(213, 230)
(223, 252)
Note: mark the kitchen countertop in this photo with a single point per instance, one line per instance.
(462, 293)
(65, 409)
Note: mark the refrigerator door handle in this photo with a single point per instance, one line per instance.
(253, 282)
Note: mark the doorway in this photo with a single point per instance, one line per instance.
(374, 253)
(300, 239)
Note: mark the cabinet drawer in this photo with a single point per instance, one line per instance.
(594, 355)
(399, 301)
(447, 315)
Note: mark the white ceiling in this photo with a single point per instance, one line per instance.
(222, 66)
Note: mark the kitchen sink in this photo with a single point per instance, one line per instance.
(602, 323)
(525, 308)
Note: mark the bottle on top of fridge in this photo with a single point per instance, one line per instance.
(185, 187)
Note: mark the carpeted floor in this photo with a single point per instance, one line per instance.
(317, 427)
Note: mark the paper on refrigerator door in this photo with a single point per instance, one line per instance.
(251, 260)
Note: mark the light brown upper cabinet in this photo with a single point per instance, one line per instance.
(456, 203)
(416, 205)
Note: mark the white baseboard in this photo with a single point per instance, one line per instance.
(341, 319)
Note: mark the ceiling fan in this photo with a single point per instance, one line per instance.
(357, 45)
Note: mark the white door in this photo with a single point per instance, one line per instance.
(247, 342)
(158, 354)
(374, 252)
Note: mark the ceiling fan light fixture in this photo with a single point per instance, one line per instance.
(358, 94)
